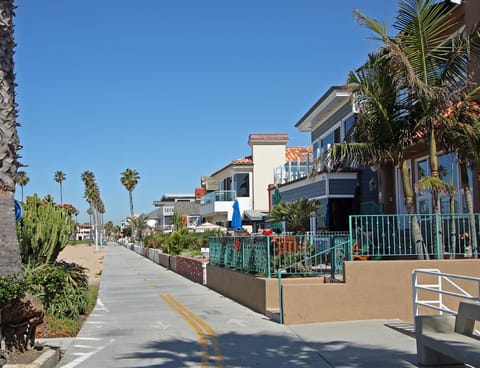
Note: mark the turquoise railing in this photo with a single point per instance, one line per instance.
(426, 236)
(266, 255)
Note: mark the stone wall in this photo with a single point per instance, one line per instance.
(189, 267)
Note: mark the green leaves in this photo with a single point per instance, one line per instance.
(11, 288)
(43, 231)
(295, 213)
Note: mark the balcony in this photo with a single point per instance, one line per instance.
(217, 202)
(168, 210)
(218, 196)
(291, 171)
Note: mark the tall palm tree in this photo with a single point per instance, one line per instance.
(463, 125)
(381, 132)
(428, 71)
(10, 261)
(22, 179)
(129, 179)
(60, 177)
(92, 195)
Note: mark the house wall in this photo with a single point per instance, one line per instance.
(331, 121)
(372, 290)
(265, 158)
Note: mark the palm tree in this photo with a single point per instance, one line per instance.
(60, 177)
(129, 180)
(140, 224)
(427, 70)
(463, 125)
(381, 132)
(10, 261)
(92, 195)
(295, 214)
(22, 179)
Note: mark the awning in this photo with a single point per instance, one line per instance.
(253, 215)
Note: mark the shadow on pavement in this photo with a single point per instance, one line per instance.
(273, 351)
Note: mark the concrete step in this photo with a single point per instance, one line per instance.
(403, 327)
(273, 314)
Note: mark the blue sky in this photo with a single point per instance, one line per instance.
(171, 88)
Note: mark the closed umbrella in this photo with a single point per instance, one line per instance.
(236, 217)
(277, 198)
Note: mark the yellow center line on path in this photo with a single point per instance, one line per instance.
(204, 331)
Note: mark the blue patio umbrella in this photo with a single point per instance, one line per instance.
(236, 217)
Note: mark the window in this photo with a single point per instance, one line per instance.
(242, 184)
(347, 126)
(449, 173)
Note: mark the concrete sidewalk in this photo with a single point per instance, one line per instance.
(246, 338)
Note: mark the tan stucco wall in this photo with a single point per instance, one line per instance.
(246, 289)
(372, 290)
(265, 159)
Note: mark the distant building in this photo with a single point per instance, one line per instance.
(83, 231)
(184, 205)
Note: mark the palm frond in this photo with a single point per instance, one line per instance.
(435, 184)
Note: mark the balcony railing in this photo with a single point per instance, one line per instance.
(221, 195)
(427, 236)
(291, 171)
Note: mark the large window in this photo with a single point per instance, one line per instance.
(448, 172)
(242, 184)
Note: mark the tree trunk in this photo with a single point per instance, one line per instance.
(130, 197)
(10, 260)
(469, 201)
(411, 210)
(433, 160)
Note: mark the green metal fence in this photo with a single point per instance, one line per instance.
(426, 236)
(320, 253)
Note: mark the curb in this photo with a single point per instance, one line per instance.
(48, 359)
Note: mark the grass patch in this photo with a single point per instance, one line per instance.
(54, 326)
(92, 296)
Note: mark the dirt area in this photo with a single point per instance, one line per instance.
(85, 256)
(26, 357)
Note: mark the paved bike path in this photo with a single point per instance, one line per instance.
(148, 316)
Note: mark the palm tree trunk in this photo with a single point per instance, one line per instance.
(130, 197)
(411, 210)
(10, 260)
(433, 160)
(469, 201)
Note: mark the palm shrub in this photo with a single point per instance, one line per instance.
(296, 214)
(156, 241)
(43, 231)
(62, 287)
(181, 241)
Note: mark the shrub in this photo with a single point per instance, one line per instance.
(61, 287)
(181, 240)
(156, 241)
(11, 288)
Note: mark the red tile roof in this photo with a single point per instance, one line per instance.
(244, 160)
(293, 154)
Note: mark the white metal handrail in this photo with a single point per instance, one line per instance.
(438, 289)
